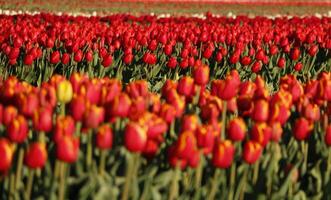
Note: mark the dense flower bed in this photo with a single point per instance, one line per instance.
(164, 108)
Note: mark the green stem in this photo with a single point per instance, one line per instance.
(173, 193)
(232, 181)
(29, 185)
(89, 150)
(223, 119)
(19, 168)
(214, 185)
(242, 191)
(198, 173)
(62, 181)
(256, 171)
(128, 178)
(102, 161)
(57, 169)
(11, 186)
(304, 147)
(63, 109)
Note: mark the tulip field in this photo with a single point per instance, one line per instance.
(149, 107)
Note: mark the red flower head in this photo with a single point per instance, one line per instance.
(186, 86)
(261, 133)
(236, 129)
(228, 88)
(104, 137)
(302, 128)
(201, 75)
(120, 106)
(205, 138)
(94, 116)
(9, 113)
(17, 129)
(65, 126)
(189, 123)
(43, 119)
(36, 155)
(137, 89)
(260, 110)
(67, 149)
(135, 137)
(6, 154)
(223, 154)
(252, 151)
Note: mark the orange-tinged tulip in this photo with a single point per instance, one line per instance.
(6, 154)
(223, 154)
(252, 151)
(104, 137)
(17, 130)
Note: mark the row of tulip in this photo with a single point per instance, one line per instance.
(33, 47)
(82, 138)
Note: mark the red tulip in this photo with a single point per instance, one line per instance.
(67, 149)
(6, 154)
(223, 154)
(17, 129)
(302, 128)
(104, 137)
(135, 137)
(36, 155)
(236, 130)
(251, 152)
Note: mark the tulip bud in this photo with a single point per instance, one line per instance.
(236, 129)
(295, 54)
(104, 137)
(189, 123)
(260, 111)
(228, 88)
(201, 75)
(205, 138)
(261, 133)
(36, 155)
(302, 128)
(251, 152)
(281, 63)
(67, 149)
(6, 154)
(55, 57)
(65, 58)
(135, 137)
(186, 86)
(276, 131)
(107, 60)
(77, 107)
(223, 154)
(9, 113)
(94, 116)
(186, 145)
(120, 106)
(64, 91)
(65, 126)
(17, 129)
(312, 112)
(43, 119)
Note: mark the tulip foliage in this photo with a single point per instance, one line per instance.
(124, 107)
